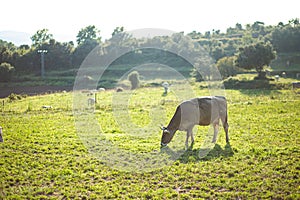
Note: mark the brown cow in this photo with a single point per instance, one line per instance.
(201, 111)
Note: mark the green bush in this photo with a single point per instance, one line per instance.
(226, 67)
(15, 97)
(6, 72)
(134, 79)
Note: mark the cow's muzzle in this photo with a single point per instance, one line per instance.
(163, 144)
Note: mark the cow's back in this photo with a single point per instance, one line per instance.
(211, 109)
(195, 111)
(202, 111)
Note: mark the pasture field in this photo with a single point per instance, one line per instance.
(42, 156)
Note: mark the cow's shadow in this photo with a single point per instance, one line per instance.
(202, 154)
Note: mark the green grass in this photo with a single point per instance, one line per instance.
(43, 158)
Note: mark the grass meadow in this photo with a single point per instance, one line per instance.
(42, 156)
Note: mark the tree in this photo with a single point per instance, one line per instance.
(87, 38)
(217, 52)
(6, 72)
(238, 26)
(82, 50)
(59, 54)
(286, 39)
(294, 22)
(40, 37)
(118, 30)
(88, 33)
(195, 35)
(256, 56)
(226, 66)
(207, 34)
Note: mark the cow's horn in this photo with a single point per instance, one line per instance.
(162, 127)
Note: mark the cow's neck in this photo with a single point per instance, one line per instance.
(174, 124)
(172, 128)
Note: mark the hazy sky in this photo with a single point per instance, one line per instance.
(65, 18)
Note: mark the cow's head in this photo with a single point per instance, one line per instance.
(166, 136)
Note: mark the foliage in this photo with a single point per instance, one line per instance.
(58, 55)
(196, 75)
(88, 33)
(255, 56)
(226, 66)
(117, 30)
(15, 97)
(7, 52)
(286, 38)
(134, 79)
(82, 50)
(40, 37)
(63, 56)
(42, 157)
(6, 72)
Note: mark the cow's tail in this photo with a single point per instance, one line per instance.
(225, 122)
(226, 117)
(222, 106)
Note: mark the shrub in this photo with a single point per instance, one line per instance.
(134, 79)
(15, 97)
(6, 72)
(226, 67)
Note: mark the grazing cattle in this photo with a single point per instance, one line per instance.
(198, 111)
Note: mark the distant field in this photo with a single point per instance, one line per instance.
(43, 158)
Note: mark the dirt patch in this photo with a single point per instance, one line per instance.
(32, 90)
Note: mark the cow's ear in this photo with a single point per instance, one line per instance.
(164, 129)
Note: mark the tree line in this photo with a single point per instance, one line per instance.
(238, 47)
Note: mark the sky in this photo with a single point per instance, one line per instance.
(64, 18)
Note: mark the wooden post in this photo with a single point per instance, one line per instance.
(1, 135)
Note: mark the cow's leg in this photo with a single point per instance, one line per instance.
(216, 130)
(187, 140)
(192, 136)
(225, 126)
(189, 133)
